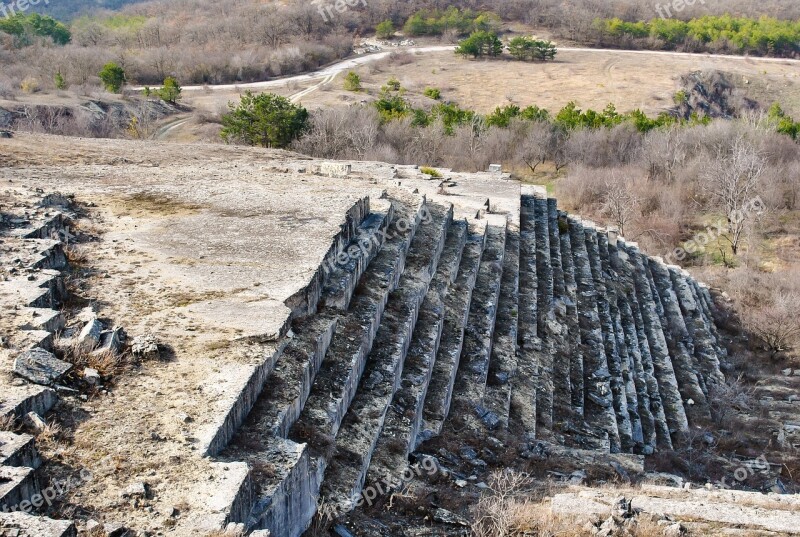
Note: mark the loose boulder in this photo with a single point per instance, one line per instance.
(40, 367)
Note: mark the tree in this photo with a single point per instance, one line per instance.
(529, 49)
(352, 82)
(113, 77)
(534, 146)
(59, 81)
(266, 120)
(385, 30)
(620, 203)
(480, 44)
(170, 91)
(732, 180)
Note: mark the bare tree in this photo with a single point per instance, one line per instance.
(664, 152)
(732, 180)
(621, 203)
(534, 145)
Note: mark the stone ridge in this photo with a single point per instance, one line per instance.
(537, 322)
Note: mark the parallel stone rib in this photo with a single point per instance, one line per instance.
(456, 310)
(362, 425)
(544, 272)
(680, 345)
(562, 387)
(404, 417)
(664, 372)
(503, 364)
(651, 411)
(523, 393)
(573, 323)
(705, 351)
(599, 403)
(473, 371)
(601, 271)
(337, 380)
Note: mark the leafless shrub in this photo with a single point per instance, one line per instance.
(729, 398)
(497, 513)
(777, 324)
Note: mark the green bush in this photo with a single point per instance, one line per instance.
(480, 44)
(352, 82)
(24, 26)
(433, 93)
(431, 171)
(385, 30)
(530, 49)
(59, 81)
(763, 36)
(265, 120)
(113, 77)
(171, 91)
(463, 22)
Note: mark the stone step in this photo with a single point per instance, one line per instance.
(238, 398)
(337, 380)
(473, 370)
(548, 329)
(306, 301)
(560, 342)
(17, 484)
(45, 290)
(279, 407)
(404, 416)
(699, 328)
(598, 397)
(456, 310)
(363, 423)
(18, 450)
(345, 270)
(19, 399)
(287, 486)
(24, 525)
(503, 365)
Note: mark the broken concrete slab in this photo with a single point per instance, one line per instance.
(89, 338)
(18, 450)
(40, 367)
(17, 485)
(25, 525)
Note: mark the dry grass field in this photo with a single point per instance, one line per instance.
(592, 79)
